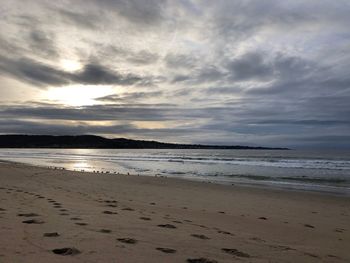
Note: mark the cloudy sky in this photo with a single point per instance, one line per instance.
(272, 73)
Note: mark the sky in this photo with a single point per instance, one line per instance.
(268, 73)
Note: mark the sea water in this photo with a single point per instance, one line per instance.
(327, 171)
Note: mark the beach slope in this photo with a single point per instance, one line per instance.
(49, 215)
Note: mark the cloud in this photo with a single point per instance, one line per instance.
(33, 72)
(40, 74)
(34, 127)
(250, 66)
(259, 72)
(206, 124)
(143, 58)
(130, 96)
(176, 61)
(43, 43)
(141, 12)
(100, 75)
(84, 20)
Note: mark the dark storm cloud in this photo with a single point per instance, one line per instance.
(40, 74)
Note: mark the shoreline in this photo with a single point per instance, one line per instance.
(138, 218)
(266, 187)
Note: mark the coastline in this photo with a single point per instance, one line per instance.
(288, 170)
(251, 185)
(197, 219)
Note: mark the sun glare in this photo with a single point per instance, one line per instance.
(77, 95)
(70, 65)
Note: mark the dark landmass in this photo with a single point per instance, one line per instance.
(97, 142)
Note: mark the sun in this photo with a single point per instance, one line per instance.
(70, 65)
(77, 95)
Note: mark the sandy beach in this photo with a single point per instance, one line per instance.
(49, 215)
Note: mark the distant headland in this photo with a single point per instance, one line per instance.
(98, 142)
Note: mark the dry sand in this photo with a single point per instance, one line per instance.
(120, 218)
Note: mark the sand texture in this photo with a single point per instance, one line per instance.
(52, 216)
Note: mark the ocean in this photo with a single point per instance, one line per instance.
(322, 171)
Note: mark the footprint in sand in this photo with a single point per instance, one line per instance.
(145, 218)
(111, 201)
(127, 240)
(33, 221)
(257, 239)
(28, 215)
(128, 209)
(81, 224)
(225, 232)
(52, 234)
(309, 226)
(282, 248)
(262, 218)
(200, 236)
(235, 252)
(110, 213)
(200, 260)
(333, 256)
(167, 226)
(311, 255)
(76, 218)
(67, 251)
(106, 231)
(166, 250)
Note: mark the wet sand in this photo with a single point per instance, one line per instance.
(51, 215)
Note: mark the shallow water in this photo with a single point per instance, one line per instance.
(303, 170)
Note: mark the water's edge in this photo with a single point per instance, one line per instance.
(241, 185)
(297, 170)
